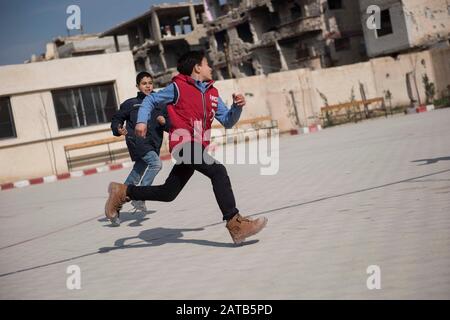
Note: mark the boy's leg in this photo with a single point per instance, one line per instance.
(221, 185)
(136, 173)
(153, 166)
(239, 227)
(153, 163)
(175, 182)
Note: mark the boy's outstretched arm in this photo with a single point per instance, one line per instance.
(229, 117)
(162, 97)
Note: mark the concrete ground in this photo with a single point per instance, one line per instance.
(345, 198)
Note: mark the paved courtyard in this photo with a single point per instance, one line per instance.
(345, 198)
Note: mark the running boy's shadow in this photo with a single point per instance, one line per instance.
(159, 236)
(136, 217)
(431, 161)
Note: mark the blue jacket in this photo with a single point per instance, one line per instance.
(128, 112)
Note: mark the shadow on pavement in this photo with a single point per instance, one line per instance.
(431, 161)
(159, 236)
(136, 217)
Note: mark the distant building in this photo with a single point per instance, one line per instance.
(161, 35)
(406, 25)
(81, 45)
(253, 37)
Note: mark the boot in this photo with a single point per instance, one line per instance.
(241, 228)
(117, 197)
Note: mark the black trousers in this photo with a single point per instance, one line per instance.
(191, 157)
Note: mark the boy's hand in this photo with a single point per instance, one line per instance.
(122, 131)
(239, 100)
(140, 130)
(161, 120)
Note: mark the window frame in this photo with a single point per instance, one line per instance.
(11, 118)
(377, 34)
(76, 90)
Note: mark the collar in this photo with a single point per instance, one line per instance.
(197, 83)
(140, 95)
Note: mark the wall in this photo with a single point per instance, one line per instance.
(277, 93)
(427, 20)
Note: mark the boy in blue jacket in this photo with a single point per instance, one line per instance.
(144, 151)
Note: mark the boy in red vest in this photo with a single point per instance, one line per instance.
(192, 104)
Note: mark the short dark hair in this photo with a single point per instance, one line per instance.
(187, 61)
(142, 75)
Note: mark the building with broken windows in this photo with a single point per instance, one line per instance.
(253, 37)
(161, 35)
(406, 24)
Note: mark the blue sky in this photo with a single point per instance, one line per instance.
(27, 25)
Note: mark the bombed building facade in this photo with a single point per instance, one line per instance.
(253, 37)
(407, 25)
(158, 37)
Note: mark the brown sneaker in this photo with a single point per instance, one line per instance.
(117, 197)
(241, 228)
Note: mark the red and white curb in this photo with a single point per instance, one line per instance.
(306, 130)
(72, 174)
(421, 108)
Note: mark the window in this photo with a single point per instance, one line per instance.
(7, 128)
(342, 44)
(244, 32)
(84, 106)
(334, 4)
(386, 25)
(220, 40)
(296, 11)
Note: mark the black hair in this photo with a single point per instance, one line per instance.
(142, 75)
(187, 61)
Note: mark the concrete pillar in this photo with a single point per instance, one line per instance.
(140, 34)
(161, 55)
(148, 66)
(116, 43)
(284, 66)
(156, 27)
(193, 17)
(150, 29)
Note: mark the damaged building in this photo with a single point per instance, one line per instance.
(161, 35)
(255, 37)
(406, 25)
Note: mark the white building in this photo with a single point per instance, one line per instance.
(47, 105)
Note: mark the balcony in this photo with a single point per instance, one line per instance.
(300, 26)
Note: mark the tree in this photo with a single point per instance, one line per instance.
(430, 89)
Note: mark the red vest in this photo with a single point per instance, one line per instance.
(192, 114)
